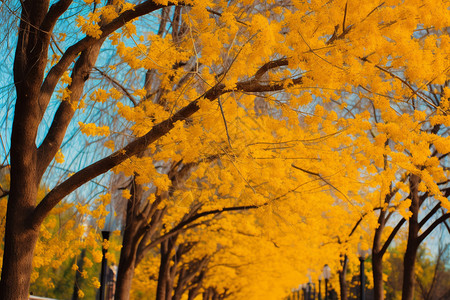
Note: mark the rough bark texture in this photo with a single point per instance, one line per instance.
(342, 278)
(20, 241)
(165, 280)
(409, 259)
(377, 259)
(127, 259)
(20, 237)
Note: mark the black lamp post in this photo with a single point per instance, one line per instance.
(105, 236)
(362, 278)
(106, 232)
(320, 280)
(303, 288)
(326, 276)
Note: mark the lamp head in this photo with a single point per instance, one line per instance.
(326, 272)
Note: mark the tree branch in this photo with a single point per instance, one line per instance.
(270, 65)
(430, 214)
(391, 236)
(137, 146)
(187, 223)
(55, 11)
(50, 82)
(438, 221)
(360, 220)
(66, 111)
(117, 84)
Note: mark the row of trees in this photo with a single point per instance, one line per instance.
(252, 142)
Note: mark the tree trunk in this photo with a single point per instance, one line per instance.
(409, 259)
(20, 237)
(409, 262)
(342, 278)
(377, 270)
(124, 279)
(194, 291)
(20, 241)
(28, 163)
(164, 270)
(127, 261)
(377, 259)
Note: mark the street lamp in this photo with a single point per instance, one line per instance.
(303, 288)
(362, 253)
(326, 275)
(106, 232)
(105, 236)
(308, 287)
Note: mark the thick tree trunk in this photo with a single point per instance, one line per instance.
(409, 262)
(28, 163)
(20, 241)
(127, 261)
(377, 259)
(342, 278)
(377, 270)
(20, 236)
(409, 259)
(163, 275)
(123, 282)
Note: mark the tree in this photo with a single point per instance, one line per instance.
(232, 49)
(430, 273)
(34, 88)
(432, 276)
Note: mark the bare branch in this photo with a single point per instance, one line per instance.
(429, 214)
(391, 236)
(437, 222)
(117, 84)
(326, 181)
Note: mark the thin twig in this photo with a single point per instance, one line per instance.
(326, 181)
(224, 121)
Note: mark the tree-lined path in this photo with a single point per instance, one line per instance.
(224, 149)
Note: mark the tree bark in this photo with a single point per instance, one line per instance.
(127, 259)
(377, 259)
(342, 278)
(409, 259)
(20, 236)
(20, 241)
(164, 278)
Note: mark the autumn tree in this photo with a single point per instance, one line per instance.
(35, 86)
(316, 52)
